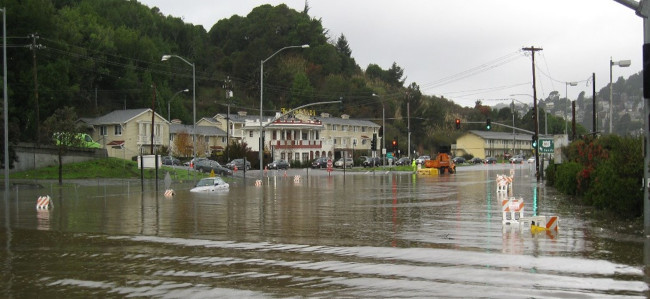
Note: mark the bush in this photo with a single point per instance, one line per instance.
(566, 177)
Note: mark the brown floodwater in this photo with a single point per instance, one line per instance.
(367, 234)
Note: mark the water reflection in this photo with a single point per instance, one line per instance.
(361, 235)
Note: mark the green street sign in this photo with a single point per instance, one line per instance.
(546, 146)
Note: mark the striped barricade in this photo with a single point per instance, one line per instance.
(169, 193)
(540, 223)
(44, 203)
(512, 210)
(504, 183)
(296, 178)
(258, 183)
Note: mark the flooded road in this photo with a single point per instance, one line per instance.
(368, 234)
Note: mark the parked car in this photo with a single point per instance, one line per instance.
(320, 162)
(191, 162)
(239, 163)
(421, 159)
(531, 160)
(206, 165)
(490, 160)
(403, 161)
(340, 163)
(167, 160)
(476, 160)
(370, 162)
(210, 185)
(518, 159)
(458, 160)
(278, 164)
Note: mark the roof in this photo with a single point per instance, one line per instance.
(349, 121)
(200, 130)
(236, 118)
(119, 116)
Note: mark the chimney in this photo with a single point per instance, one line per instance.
(345, 116)
(324, 115)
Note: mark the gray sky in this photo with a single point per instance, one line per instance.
(467, 50)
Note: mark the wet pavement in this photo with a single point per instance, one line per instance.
(314, 234)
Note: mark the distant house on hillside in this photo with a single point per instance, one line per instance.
(484, 144)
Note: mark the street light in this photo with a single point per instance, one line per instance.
(170, 100)
(5, 104)
(621, 63)
(165, 58)
(566, 107)
(261, 149)
(383, 128)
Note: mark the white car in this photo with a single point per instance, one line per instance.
(212, 184)
(421, 159)
(531, 160)
(348, 163)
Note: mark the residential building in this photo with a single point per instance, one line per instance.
(484, 144)
(209, 138)
(125, 133)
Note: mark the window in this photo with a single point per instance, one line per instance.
(305, 156)
(250, 133)
(363, 129)
(344, 128)
(333, 127)
(297, 155)
(118, 130)
(102, 131)
(304, 136)
(207, 139)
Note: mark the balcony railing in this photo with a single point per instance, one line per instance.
(146, 139)
(296, 144)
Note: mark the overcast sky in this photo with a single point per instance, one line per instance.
(468, 50)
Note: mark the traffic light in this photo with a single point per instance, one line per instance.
(457, 123)
(394, 145)
(488, 124)
(373, 142)
(341, 108)
(533, 142)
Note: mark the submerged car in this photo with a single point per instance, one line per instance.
(490, 160)
(278, 164)
(211, 184)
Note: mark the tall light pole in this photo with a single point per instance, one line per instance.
(383, 129)
(566, 106)
(261, 149)
(5, 104)
(165, 58)
(621, 63)
(169, 103)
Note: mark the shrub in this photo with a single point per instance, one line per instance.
(566, 177)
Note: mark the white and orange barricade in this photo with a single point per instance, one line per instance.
(504, 184)
(512, 210)
(169, 193)
(540, 223)
(258, 183)
(44, 203)
(296, 178)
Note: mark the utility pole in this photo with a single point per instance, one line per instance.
(532, 50)
(33, 47)
(228, 100)
(593, 103)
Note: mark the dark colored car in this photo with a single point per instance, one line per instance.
(458, 160)
(167, 160)
(239, 163)
(370, 162)
(278, 164)
(320, 163)
(490, 160)
(476, 160)
(210, 165)
(403, 161)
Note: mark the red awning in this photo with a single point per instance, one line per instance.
(365, 137)
(216, 147)
(116, 143)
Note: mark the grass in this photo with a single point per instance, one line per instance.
(100, 168)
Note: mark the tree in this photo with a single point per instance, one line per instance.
(65, 129)
(183, 144)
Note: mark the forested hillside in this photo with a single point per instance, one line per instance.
(102, 55)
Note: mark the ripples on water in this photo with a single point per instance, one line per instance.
(365, 235)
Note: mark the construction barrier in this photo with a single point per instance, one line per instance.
(504, 183)
(258, 183)
(44, 203)
(169, 193)
(512, 210)
(540, 223)
(428, 171)
(296, 178)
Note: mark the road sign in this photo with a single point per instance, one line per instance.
(329, 165)
(546, 146)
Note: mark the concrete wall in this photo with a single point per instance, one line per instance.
(30, 157)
